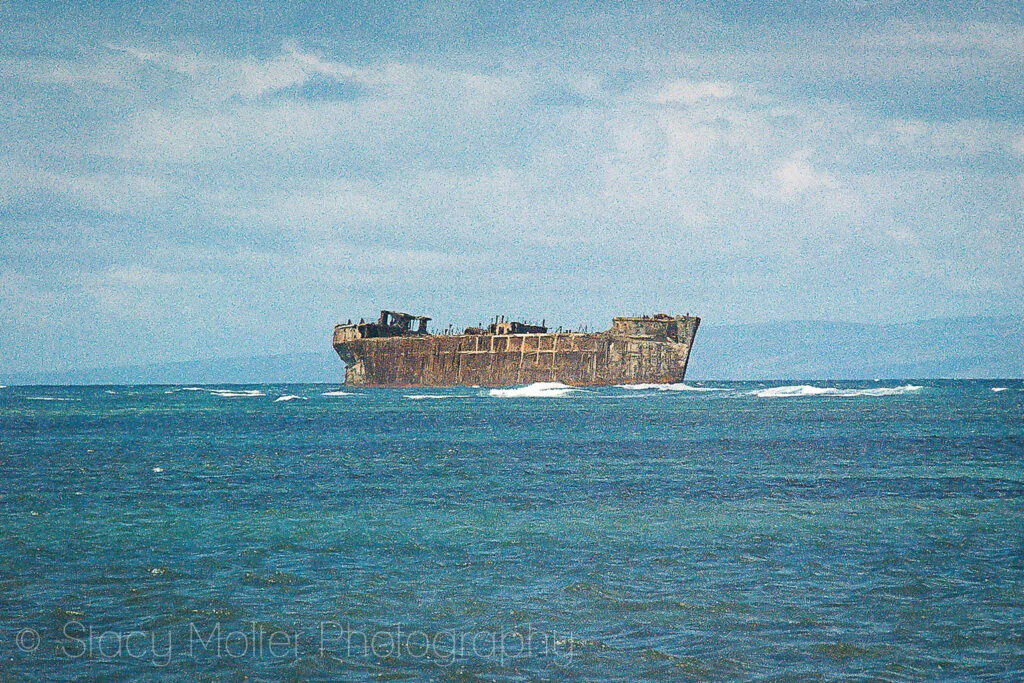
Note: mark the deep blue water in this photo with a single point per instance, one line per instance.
(613, 534)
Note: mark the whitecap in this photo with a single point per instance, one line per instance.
(998, 389)
(884, 391)
(799, 390)
(796, 390)
(289, 397)
(228, 393)
(535, 390)
(50, 398)
(677, 386)
(336, 393)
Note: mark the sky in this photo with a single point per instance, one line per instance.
(193, 180)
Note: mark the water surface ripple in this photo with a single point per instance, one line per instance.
(191, 533)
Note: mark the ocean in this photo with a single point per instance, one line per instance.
(719, 531)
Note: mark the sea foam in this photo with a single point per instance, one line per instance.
(998, 389)
(229, 393)
(289, 397)
(535, 390)
(678, 386)
(808, 390)
(336, 393)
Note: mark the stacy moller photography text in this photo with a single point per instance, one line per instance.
(76, 640)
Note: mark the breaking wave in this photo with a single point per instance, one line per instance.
(50, 398)
(289, 397)
(230, 393)
(678, 386)
(420, 397)
(998, 389)
(535, 390)
(808, 390)
(336, 393)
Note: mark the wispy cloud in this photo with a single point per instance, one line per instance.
(790, 170)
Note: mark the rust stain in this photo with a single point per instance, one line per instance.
(397, 351)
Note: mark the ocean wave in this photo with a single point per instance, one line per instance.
(50, 398)
(230, 393)
(798, 390)
(535, 390)
(336, 393)
(678, 386)
(419, 397)
(289, 397)
(999, 389)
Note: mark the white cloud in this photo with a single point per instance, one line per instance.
(113, 193)
(88, 72)
(135, 292)
(406, 105)
(22, 299)
(219, 78)
(322, 209)
(968, 42)
(182, 63)
(965, 139)
(691, 92)
(434, 177)
(796, 175)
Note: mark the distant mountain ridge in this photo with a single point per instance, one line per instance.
(307, 367)
(954, 348)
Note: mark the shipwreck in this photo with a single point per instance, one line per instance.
(398, 351)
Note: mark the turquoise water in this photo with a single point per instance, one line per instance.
(615, 534)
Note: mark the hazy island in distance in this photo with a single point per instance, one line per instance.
(953, 348)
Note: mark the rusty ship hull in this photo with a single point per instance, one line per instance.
(634, 351)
